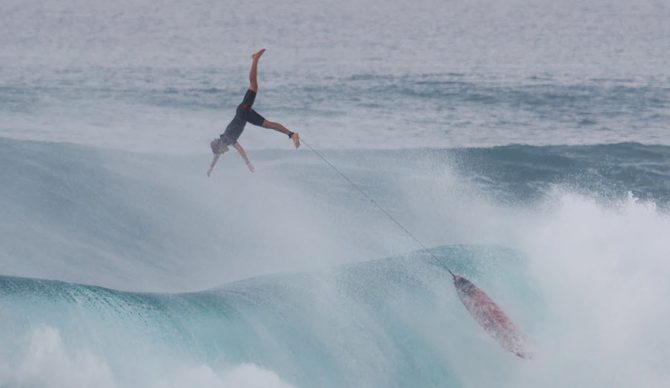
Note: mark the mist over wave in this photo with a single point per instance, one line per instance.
(142, 222)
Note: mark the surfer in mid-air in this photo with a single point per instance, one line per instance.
(245, 114)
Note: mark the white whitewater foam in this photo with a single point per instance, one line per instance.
(47, 361)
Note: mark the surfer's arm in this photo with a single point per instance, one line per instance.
(211, 166)
(243, 154)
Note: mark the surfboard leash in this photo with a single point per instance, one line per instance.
(366, 195)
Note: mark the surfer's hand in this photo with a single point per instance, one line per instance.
(209, 171)
(250, 166)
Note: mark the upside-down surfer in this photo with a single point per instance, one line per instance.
(245, 114)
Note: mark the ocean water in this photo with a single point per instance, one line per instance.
(526, 144)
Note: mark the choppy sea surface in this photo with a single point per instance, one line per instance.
(526, 144)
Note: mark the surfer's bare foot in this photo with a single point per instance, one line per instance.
(256, 56)
(296, 139)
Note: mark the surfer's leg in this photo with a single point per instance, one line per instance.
(253, 78)
(247, 102)
(276, 126)
(280, 128)
(255, 118)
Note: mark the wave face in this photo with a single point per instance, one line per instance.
(569, 240)
(518, 172)
(356, 325)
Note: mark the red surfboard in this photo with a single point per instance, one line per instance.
(490, 316)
